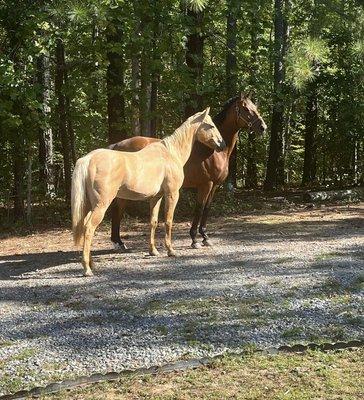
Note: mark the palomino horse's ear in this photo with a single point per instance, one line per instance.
(206, 112)
(242, 96)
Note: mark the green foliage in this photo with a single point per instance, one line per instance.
(304, 60)
(325, 46)
(196, 5)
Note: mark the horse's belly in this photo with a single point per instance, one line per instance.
(135, 194)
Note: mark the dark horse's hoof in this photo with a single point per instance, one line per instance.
(121, 247)
(206, 243)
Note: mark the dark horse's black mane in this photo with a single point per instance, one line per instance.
(220, 117)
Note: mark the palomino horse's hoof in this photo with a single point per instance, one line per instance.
(196, 245)
(171, 253)
(206, 243)
(154, 252)
(88, 273)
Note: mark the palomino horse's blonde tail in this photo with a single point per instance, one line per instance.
(79, 202)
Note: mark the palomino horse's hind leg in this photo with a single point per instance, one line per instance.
(170, 205)
(117, 209)
(155, 204)
(92, 223)
(202, 228)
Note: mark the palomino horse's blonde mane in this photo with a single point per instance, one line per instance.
(179, 143)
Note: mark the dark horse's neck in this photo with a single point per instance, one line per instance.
(227, 125)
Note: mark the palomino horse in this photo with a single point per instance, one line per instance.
(151, 173)
(205, 169)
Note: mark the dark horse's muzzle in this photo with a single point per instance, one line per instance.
(222, 145)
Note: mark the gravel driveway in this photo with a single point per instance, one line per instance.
(270, 279)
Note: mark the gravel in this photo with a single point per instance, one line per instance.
(270, 279)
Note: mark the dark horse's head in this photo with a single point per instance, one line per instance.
(247, 115)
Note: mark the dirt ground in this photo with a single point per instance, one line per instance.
(271, 278)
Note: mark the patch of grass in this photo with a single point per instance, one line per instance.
(77, 305)
(189, 331)
(292, 333)
(251, 285)
(163, 330)
(357, 285)
(248, 310)
(313, 375)
(291, 292)
(154, 306)
(331, 286)
(333, 332)
(11, 383)
(283, 260)
(355, 319)
(328, 256)
(24, 355)
(6, 343)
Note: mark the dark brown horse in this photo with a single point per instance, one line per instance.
(206, 169)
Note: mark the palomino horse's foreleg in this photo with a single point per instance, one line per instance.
(117, 209)
(171, 200)
(202, 196)
(92, 223)
(155, 204)
(205, 212)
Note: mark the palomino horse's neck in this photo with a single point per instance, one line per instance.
(181, 141)
(229, 130)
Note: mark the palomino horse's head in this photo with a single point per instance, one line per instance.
(208, 134)
(247, 115)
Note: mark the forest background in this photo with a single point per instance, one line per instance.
(76, 75)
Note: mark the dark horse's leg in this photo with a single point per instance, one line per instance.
(205, 213)
(193, 231)
(202, 195)
(117, 209)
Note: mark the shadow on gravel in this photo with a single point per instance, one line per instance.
(11, 267)
(229, 232)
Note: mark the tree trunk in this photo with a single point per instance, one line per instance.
(115, 85)
(17, 142)
(61, 113)
(29, 185)
(154, 104)
(145, 91)
(46, 172)
(251, 162)
(309, 167)
(194, 61)
(233, 7)
(135, 117)
(18, 172)
(70, 131)
(251, 181)
(309, 163)
(275, 164)
(155, 74)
